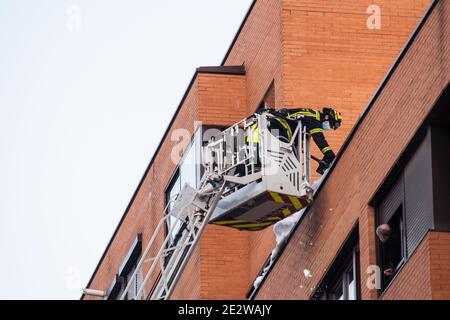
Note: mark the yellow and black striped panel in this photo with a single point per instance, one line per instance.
(290, 205)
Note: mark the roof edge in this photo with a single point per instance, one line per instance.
(229, 70)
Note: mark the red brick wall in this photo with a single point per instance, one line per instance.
(398, 111)
(224, 263)
(426, 275)
(258, 47)
(328, 57)
(222, 98)
(331, 58)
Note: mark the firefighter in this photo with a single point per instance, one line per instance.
(316, 123)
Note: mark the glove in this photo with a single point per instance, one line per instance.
(323, 165)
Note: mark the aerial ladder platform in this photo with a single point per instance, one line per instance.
(253, 177)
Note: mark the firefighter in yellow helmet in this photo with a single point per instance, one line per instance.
(316, 122)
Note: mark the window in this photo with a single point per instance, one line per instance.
(342, 280)
(407, 201)
(345, 287)
(392, 250)
(188, 171)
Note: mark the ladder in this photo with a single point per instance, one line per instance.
(232, 160)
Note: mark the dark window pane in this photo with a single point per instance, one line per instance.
(173, 224)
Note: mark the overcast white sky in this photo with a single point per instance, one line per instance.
(83, 105)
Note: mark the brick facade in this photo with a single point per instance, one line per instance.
(439, 248)
(427, 273)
